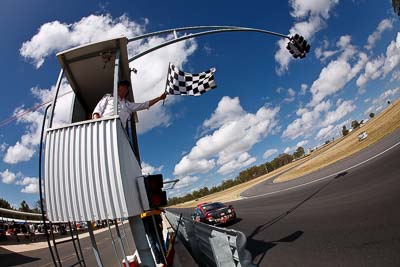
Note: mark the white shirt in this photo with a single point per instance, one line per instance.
(105, 107)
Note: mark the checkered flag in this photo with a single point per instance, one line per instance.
(183, 83)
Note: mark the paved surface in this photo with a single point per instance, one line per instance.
(41, 257)
(350, 218)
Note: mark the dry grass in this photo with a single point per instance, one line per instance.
(386, 122)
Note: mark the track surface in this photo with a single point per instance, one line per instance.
(351, 218)
(41, 257)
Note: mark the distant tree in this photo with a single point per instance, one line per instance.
(327, 142)
(5, 205)
(371, 115)
(299, 152)
(24, 206)
(355, 124)
(345, 131)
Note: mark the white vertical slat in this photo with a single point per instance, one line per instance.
(57, 185)
(47, 170)
(61, 171)
(85, 178)
(67, 176)
(97, 170)
(117, 165)
(91, 173)
(73, 171)
(103, 169)
(113, 179)
(78, 163)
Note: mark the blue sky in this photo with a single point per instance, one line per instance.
(265, 104)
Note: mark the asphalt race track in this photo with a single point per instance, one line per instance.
(338, 216)
(42, 257)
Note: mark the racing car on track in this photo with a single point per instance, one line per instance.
(214, 213)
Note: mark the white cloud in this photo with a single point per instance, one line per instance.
(8, 177)
(303, 89)
(55, 36)
(31, 185)
(380, 102)
(269, 152)
(307, 122)
(395, 76)
(289, 149)
(234, 133)
(341, 111)
(291, 95)
(326, 133)
(237, 163)
(383, 64)
(384, 25)
(25, 148)
(337, 73)
(313, 14)
(148, 169)
(302, 143)
(185, 182)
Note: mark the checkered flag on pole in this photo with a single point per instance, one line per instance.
(183, 83)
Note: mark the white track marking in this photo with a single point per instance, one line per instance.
(326, 177)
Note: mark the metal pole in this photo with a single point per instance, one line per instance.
(142, 246)
(40, 186)
(161, 244)
(123, 230)
(185, 37)
(113, 243)
(116, 78)
(94, 245)
(121, 244)
(55, 97)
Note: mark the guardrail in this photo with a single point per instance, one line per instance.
(211, 245)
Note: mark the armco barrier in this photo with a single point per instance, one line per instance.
(211, 245)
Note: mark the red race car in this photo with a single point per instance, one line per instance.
(214, 213)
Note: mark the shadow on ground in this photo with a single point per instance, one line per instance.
(9, 258)
(259, 248)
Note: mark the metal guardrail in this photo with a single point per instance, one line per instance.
(211, 245)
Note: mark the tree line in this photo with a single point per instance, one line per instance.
(24, 207)
(244, 176)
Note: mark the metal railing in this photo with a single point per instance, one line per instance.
(211, 245)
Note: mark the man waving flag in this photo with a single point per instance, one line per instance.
(183, 83)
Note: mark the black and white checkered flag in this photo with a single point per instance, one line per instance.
(183, 83)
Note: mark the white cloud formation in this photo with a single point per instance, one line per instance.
(8, 177)
(235, 132)
(381, 102)
(185, 182)
(239, 162)
(341, 111)
(25, 148)
(303, 89)
(312, 15)
(270, 152)
(31, 185)
(326, 133)
(302, 143)
(55, 36)
(339, 72)
(291, 95)
(384, 25)
(383, 64)
(148, 169)
(307, 121)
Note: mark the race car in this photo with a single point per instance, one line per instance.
(214, 213)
